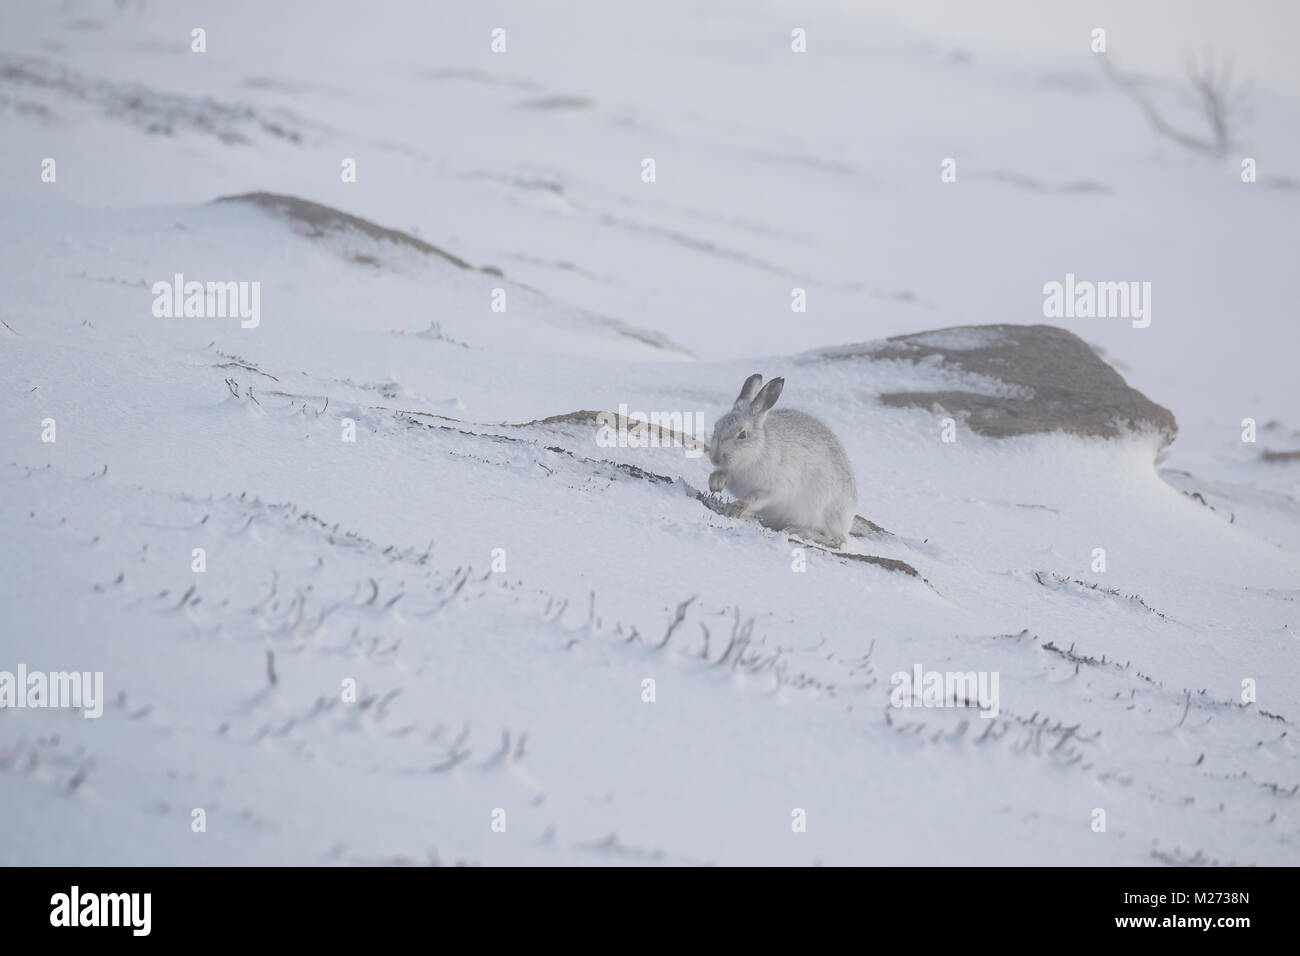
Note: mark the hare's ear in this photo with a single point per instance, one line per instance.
(767, 397)
(749, 390)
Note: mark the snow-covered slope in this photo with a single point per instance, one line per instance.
(498, 582)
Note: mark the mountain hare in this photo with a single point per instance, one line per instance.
(785, 465)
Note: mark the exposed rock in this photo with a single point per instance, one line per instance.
(865, 528)
(316, 221)
(154, 111)
(889, 564)
(313, 219)
(653, 433)
(560, 103)
(1058, 382)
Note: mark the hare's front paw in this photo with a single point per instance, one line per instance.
(736, 509)
(717, 480)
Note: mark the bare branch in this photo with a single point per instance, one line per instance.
(1217, 94)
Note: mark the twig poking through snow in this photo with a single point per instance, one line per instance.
(677, 619)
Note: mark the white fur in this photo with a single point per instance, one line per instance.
(788, 468)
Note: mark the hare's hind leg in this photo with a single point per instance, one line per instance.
(814, 536)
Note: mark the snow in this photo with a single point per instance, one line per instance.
(522, 690)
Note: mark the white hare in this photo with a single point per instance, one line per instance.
(784, 465)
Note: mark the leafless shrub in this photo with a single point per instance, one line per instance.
(1215, 93)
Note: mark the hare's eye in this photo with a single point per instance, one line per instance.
(740, 436)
